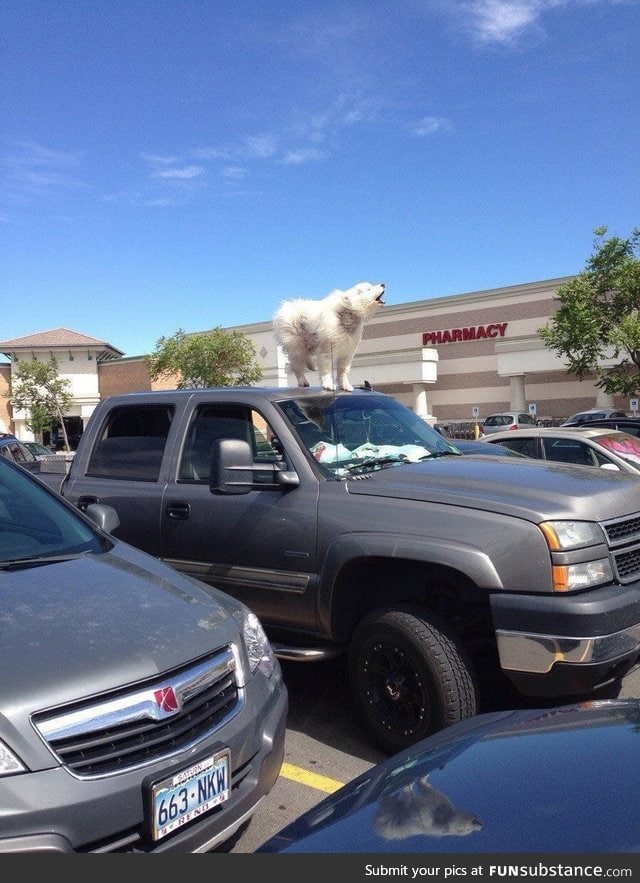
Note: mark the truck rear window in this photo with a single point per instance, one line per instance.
(131, 444)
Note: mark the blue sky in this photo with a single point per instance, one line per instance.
(190, 164)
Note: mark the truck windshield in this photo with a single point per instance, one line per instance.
(354, 433)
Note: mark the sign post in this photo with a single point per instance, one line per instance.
(475, 413)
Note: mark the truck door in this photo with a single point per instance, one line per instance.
(259, 547)
(125, 470)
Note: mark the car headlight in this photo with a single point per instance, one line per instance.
(259, 650)
(566, 536)
(9, 763)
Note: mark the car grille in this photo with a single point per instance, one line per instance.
(127, 729)
(623, 536)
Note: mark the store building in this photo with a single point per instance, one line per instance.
(447, 358)
(79, 358)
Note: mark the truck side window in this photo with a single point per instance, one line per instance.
(211, 422)
(132, 443)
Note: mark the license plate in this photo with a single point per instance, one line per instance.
(190, 793)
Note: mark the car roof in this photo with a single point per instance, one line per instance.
(575, 432)
(604, 412)
(507, 414)
(479, 446)
(615, 421)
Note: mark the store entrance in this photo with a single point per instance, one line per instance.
(55, 438)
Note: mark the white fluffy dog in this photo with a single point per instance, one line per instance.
(323, 335)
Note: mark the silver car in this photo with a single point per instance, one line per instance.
(506, 420)
(140, 710)
(592, 414)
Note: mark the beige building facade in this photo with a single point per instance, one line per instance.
(451, 358)
(446, 357)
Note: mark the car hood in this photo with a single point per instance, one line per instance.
(522, 488)
(77, 628)
(507, 782)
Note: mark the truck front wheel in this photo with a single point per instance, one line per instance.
(408, 678)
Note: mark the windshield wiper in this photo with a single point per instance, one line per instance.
(441, 454)
(377, 462)
(36, 561)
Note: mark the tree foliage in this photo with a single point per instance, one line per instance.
(37, 388)
(209, 358)
(598, 318)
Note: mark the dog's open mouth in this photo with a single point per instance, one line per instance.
(381, 296)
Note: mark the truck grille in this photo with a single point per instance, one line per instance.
(623, 536)
(622, 530)
(127, 729)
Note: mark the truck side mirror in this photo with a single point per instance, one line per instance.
(233, 470)
(231, 467)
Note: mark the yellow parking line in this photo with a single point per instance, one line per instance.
(313, 780)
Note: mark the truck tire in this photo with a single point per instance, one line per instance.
(408, 678)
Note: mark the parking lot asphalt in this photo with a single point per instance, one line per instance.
(325, 747)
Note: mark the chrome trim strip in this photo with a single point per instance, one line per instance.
(306, 654)
(138, 705)
(538, 654)
(230, 575)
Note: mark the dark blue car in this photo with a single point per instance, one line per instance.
(557, 780)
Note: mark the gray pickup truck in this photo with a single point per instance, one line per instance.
(349, 525)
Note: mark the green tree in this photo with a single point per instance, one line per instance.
(599, 316)
(209, 358)
(37, 388)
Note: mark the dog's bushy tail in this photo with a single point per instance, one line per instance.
(302, 329)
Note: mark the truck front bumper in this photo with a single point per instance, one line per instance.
(567, 645)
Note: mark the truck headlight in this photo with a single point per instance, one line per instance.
(564, 536)
(570, 577)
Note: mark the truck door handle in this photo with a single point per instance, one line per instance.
(83, 502)
(176, 509)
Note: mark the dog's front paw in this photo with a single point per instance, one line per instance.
(328, 384)
(346, 386)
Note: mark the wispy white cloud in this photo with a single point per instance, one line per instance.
(33, 168)
(430, 125)
(205, 153)
(155, 159)
(160, 202)
(506, 22)
(32, 154)
(303, 155)
(183, 173)
(171, 167)
(235, 172)
(260, 145)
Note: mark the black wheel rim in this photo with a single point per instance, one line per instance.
(394, 690)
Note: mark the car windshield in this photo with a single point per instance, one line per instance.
(35, 526)
(356, 433)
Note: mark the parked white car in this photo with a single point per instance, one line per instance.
(581, 445)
